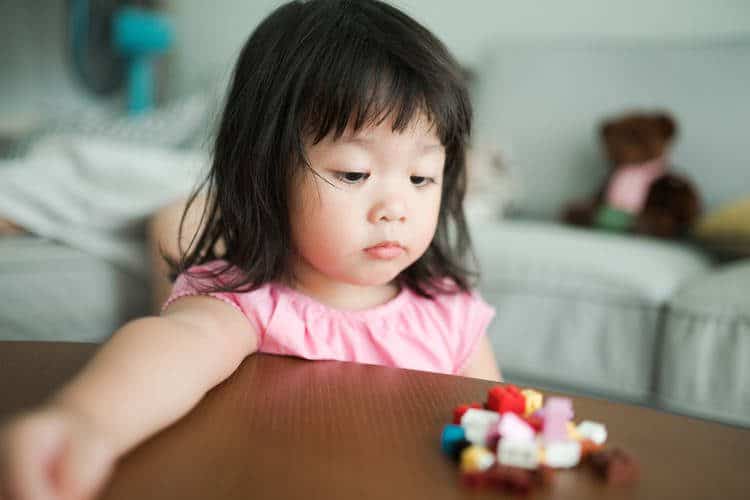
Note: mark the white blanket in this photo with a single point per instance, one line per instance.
(96, 194)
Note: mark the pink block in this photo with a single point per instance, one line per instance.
(511, 426)
(557, 413)
(562, 405)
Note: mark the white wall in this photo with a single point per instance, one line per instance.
(211, 33)
(32, 58)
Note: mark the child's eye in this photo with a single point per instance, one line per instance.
(419, 180)
(351, 177)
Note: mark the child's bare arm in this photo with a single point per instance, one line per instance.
(483, 363)
(154, 370)
(151, 373)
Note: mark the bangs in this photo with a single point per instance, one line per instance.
(354, 80)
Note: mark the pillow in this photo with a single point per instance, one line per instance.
(726, 231)
(186, 122)
(178, 123)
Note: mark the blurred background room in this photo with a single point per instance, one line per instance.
(609, 187)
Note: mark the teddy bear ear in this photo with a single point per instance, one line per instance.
(606, 129)
(668, 125)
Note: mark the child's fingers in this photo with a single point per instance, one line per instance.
(29, 446)
(86, 466)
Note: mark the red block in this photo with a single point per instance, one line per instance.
(588, 447)
(505, 398)
(615, 466)
(475, 480)
(493, 439)
(543, 476)
(535, 421)
(460, 410)
(510, 479)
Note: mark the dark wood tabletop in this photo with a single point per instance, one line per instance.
(284, 428)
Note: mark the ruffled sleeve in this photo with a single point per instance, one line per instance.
(256, 305)
(197, 281)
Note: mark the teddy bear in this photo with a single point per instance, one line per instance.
(641, 193)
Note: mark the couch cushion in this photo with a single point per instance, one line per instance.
(578, 308)
(573, 259)
(706, 352)
(53, 292)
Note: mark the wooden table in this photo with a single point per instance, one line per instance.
(283, 428)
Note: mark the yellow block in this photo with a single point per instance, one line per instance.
(534, 400)
(573, 431)
(476, 458)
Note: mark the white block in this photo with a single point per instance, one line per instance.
(486, 460)
(594, 431)
(562, 453)
(478, 423)
(476, 415)
(518, 453)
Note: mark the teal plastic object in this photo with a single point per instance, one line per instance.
(140, 35)
(451, 438)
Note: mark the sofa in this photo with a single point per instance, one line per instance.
(653, 322)
(664, 327)
(664, 323)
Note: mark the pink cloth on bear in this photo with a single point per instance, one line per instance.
(630, 184)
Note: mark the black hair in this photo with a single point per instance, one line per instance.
(310, 69)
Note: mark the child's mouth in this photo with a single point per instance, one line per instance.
(386, 250)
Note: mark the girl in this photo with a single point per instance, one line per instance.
(333, 229)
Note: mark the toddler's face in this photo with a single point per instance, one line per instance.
(377, 213)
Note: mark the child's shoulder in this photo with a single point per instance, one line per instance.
(219, 279)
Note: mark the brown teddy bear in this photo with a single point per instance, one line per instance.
(639, 194)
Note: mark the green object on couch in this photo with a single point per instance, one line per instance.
(613, 219)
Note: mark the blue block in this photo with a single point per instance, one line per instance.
(453, 435)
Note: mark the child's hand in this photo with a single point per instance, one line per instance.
(53, 453)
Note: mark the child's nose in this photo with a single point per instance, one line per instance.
(389, 209)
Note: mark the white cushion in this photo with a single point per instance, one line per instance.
(568, 258)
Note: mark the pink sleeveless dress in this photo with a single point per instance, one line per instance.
(409, 331)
